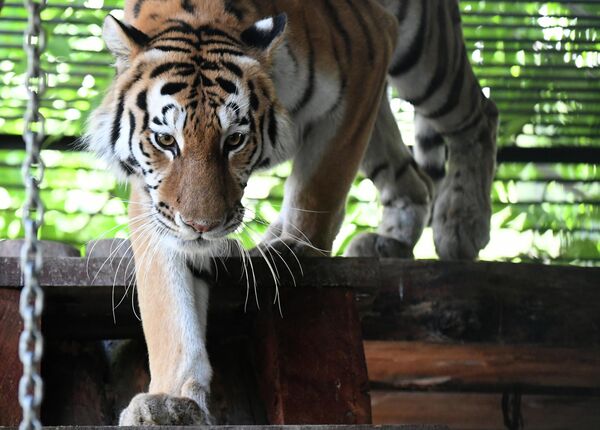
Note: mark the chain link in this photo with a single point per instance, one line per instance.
(31, 344)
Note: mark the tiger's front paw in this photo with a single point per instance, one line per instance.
(378, 246)
(162, 409)
(461, 222)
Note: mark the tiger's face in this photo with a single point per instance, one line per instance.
(191, 114)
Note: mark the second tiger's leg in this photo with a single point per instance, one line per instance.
(431, 70)
(405, 192)
(323, 171)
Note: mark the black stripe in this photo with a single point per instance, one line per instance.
(403, 169)
(402, 10)
(131, 131)
(233, 68)
(254, 104)
(225, 51)
(171, 48)
(228, 86)
(377, 170)
(209, 65)
(232, 9)
(465, 125)
(142, 103)
(435, 173)
(367, 34)
(310, 85)
(141, 146)
(116, 127)
(219, 43)
(410, 58)
(133, 162)
(292, 56)
(211, 32)
(337, 23)
(141, 39)
(137, 8)
(441, 69)
(141, 100)
(188, 6)
(163, 68)
(181, 27)
(428, 143)
(272, 127)
(261, 126)
(127, 168)
(185, 72)
(166, 108)
(453, 98)
(173, 88)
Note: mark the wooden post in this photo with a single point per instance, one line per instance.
(310, 360)
(11, 326)
(10, 330)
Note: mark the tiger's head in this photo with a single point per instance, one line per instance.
(191, 114)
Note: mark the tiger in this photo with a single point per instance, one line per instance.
(207, 92)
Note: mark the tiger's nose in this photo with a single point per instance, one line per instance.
(200, 226)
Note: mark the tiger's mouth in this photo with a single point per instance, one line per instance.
(181, 237)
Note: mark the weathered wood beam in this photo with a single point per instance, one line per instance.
(486, 302)
(266, 427)
(417, 300)
(477, 367)
(470, 411)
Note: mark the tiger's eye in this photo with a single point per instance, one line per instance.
(234, 140)
(165, 139)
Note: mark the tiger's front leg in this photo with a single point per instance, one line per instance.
(323, 171)
(173, 305)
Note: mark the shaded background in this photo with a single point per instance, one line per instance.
(538, 60)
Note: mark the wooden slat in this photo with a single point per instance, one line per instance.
(462, 411)
(418, 365)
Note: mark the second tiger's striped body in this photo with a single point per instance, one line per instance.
(209, 91)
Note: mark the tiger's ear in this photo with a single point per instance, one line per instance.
(265, 33)
(122, 39)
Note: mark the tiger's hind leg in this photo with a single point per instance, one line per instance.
(462, 211)
(431, 70)
(405, 192)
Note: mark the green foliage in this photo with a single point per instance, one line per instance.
(538, 61)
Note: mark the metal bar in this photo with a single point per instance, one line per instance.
(501, 14)
(490, 26)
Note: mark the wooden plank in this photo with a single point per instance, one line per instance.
(266, 427)
(483, 411)
(358, 273)
(11, 326)
(310, 359)
(486, 302)
(419, 300)
(417, 365)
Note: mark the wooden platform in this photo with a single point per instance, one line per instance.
(471, 345)
(298, 427)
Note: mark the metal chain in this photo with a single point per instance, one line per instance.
(32, 296)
